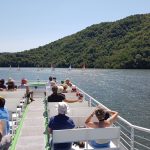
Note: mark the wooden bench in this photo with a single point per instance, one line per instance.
(87, 134)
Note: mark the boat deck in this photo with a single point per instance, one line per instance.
(32, 132)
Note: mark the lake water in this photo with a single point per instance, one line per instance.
(126, 91)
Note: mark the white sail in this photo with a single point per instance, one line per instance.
(83, 68)
(10, 67)
(52, 67)
(18, 68)
(70, 67)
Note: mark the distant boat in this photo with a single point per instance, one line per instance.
(83, 67)
(18, 68)
(38, 69)
(10, 67)
(70, 67)
(52, 67)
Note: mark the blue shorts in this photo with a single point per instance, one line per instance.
(97, 145)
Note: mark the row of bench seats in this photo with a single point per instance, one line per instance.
(79, 112)
(15, 103)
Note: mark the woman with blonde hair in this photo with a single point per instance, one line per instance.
(102, 122)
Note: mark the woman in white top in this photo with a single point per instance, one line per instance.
(102, 123)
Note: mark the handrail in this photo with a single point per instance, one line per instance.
(141, 128)
(130, 134)
(119, 117)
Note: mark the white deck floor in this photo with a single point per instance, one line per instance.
(32, 135)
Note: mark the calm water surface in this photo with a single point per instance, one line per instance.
(127, 91)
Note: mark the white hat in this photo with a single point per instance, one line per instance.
(53, 83)
(60, 89)
(63, 108)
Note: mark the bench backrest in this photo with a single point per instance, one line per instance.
(86, 134)
(77, 104)
(12, 103)
(80, 121)
(74, 111)
(19, 93)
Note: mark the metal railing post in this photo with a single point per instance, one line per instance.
(90, 102)
(132, 138)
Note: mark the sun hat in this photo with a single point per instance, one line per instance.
(10, 80)
(53, 83)
(63, 108)
(24, 81)
(60, 89)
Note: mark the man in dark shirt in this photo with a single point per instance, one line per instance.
(60, 122)
(58, 97)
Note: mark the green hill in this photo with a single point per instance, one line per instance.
(121, 44)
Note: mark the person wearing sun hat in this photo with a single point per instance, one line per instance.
(59, 122)
(11, 85)
(4, 114)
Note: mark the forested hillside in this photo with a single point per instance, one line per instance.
(121, 44)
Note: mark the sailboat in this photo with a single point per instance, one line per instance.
(38, 68)
(18, 69)
(52, 67)
(69, 67)
(83, 67)
(10, 67)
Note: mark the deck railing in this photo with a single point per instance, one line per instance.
(132, 137)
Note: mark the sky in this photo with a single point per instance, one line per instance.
(26, 24)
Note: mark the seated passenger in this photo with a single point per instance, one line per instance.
(74, 89)
(49, 81)
(52, 83)
(29, 93)
(102, 123)
(4, 114)
(68, 82)
(54, 79)
(23, 83)
(5, 140)
(59, 97)
(2, 85)
(65, 86)
(59, 122)
(60, 89)
(11, 84)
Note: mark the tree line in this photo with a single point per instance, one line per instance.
(121, 44)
